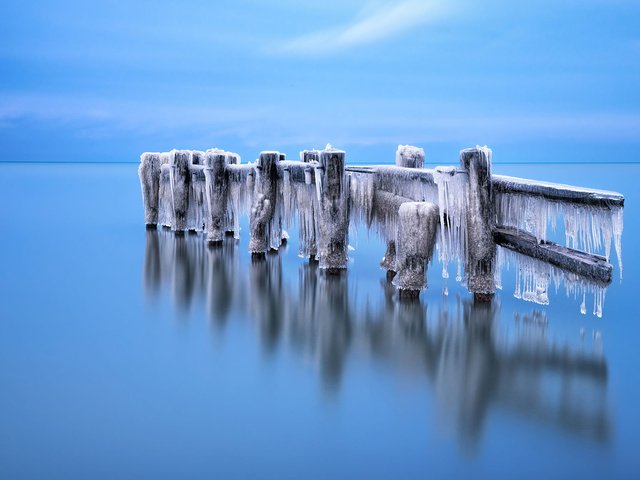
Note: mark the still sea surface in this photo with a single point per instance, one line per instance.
(133, 354)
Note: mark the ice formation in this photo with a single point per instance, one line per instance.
(410, 156)
(534, 279)
(590, 228)
(211, 190)
(452, 199)
(415, 242)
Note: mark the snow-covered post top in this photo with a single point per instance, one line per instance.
(333, 196)
(264, 203)
(149, 173)
(409, 156)
(216, 194)
(481, 247)
(180, 183)
(418, 222)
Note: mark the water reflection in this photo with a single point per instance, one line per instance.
(472, 363)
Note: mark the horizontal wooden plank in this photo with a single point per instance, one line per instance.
(556, 191)
(593, 267)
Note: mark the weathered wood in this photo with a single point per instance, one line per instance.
(409, 156)
(594, 267)
(149, 173)
(481, 248)
(300, 172)
(265, 197)
(180, 184)
(556, 191)
(216, 177)
(386, 204)
(307, 156)
(416, 239)
(332, 188)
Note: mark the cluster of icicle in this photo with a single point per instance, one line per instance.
(371, 207)
(591, 229)
(588, 228)
(535, 277)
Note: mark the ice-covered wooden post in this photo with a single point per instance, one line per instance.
(481, 247)
(333, 218)
(216, 179)
(264, 203)
(409, 156)
(149, 172)
(307, 156)
(180, 185)
(418, 222)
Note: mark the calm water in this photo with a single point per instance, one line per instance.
(134, 354)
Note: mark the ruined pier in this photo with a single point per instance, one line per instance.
(475, 220)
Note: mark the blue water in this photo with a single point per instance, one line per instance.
(134, 354)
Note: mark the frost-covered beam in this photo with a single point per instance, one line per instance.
(300, 172)
(416, 239)
(424, 175)
(594, 267)
(149, 173)
(216, 195)
(557, 191)
(481, 248)
(333, 218)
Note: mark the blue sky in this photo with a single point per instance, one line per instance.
(105, 80)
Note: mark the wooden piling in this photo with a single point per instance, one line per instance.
(333, 218)
(481, 247)
(307, 156)
(418, 222)
(180, 184)
(409, 156)
(265, 196)
(149, 173)
(216, 178)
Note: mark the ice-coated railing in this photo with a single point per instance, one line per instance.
(477, 222)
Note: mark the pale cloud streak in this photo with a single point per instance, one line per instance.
(372, 26)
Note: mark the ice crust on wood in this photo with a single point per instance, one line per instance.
(415, 241)
(182, 190)
(591, 228)
(410, 156)
(534, 279)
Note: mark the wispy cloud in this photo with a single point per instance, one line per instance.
(372, 25)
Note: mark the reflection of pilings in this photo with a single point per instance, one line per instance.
(457, 345)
